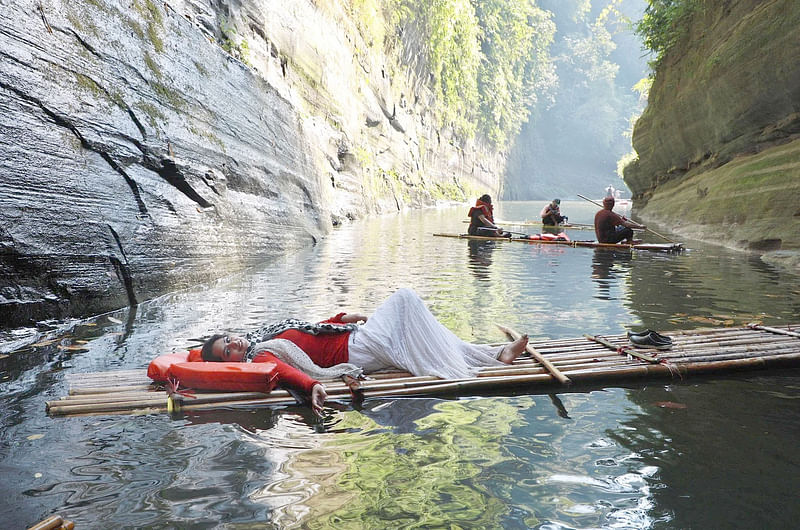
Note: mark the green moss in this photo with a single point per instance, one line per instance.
(234, 45)
(208, 135)
(155, 22)
(89, 84)
(152, 66)
(746, 200)
(154, 116)
(168, 95)
(447, 191)
(364, 157)
(200, 68)
(152, 34)
(116, 97)
(136, 28)
(99, 93)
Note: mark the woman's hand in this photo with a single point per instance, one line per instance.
(350, 318)
(318, 397)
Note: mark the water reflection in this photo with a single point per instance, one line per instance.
(480, 257)
(608, 265)
(584, 459)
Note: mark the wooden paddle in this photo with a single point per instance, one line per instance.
(648, 229)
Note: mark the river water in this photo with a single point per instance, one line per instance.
(714, 452)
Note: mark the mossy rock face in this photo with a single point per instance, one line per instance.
(750, 203)
(721, 101)
(731, 86)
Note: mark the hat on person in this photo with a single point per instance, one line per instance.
(608, 201)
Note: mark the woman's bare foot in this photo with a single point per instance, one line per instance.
(512, 350)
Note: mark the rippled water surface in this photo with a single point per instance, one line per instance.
(717, 452)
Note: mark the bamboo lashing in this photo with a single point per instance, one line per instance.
(514, 335)
(622, 349)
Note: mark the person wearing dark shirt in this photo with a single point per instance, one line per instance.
(610, 227)
(482, 219)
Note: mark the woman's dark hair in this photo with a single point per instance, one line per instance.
(206, 352)
(486, 198)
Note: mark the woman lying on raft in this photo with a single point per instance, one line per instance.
(402, 334)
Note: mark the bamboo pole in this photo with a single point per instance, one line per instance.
(514, 335)
(54, 521)
(774, 330)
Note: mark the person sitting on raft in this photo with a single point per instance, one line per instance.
(402, 334)
(482, 219)
(551, 213)
(610, 227)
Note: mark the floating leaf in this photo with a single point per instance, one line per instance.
(35, 436)
(37, 475)
(705, 320)
(114, 320)
(670, 405)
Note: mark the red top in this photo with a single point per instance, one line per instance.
(483, 208)
(325, 349)
(604, 223)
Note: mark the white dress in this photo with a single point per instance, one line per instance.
(404, 334)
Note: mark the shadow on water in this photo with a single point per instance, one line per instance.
(663, 455)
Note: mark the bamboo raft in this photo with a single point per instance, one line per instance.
(658, 247)
(587, 360)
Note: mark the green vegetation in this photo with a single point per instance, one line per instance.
(486, 59)
(208, 135)
(234, 45)
(152, 66)
(168, 95)
(515, 64)
(154, 116)
(663, 24)
(155, 21)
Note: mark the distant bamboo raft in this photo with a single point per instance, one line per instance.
(597, 360)
(658, 247)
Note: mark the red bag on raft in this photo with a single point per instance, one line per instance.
(561, 236)
(230, 377)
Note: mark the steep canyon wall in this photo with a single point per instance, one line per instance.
(719, 142)
(148, 146)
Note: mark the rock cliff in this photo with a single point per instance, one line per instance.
(148, 146)
(719, 142)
